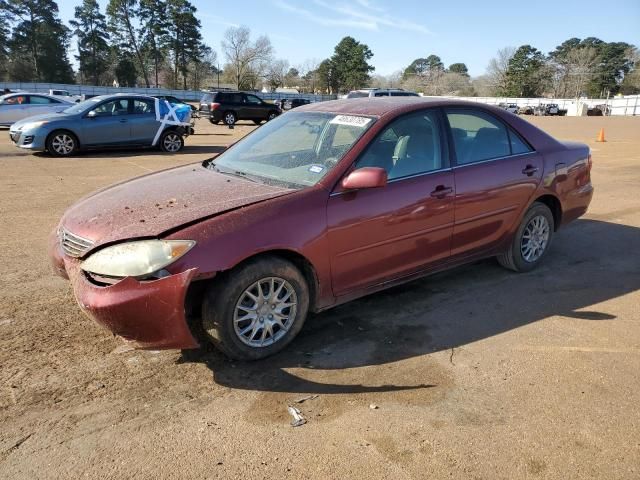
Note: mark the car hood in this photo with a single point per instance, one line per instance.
(50, 117)
(153, 204)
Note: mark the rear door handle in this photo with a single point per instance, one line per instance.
(529, 170)
(123, 120)
(441, 191)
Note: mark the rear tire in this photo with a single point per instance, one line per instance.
(171, 141)
(531, 241)
(256, 310)
(271, 116)
(62, 143)
(257, 122)
(215, 122)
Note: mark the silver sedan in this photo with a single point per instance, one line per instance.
(16, 106)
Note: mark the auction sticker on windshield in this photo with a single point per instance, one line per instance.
(351, 120)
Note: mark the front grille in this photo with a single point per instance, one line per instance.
(73, 245)
(28, 140)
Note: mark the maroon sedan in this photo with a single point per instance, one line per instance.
(322, 205)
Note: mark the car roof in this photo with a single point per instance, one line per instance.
(117, 95)
(380, 106)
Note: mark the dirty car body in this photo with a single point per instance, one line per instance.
(368, 194)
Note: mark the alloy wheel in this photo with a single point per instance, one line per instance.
(265, 312)
(535, 238)
(63, 144)
(172, 142)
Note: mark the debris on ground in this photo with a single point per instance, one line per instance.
(298, 419)
(373, 406)
(304, 399)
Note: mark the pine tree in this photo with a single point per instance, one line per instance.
(93, 48)
(38, 45)
(4, 38)
(154, 32)
(186, 41)
(350, 66)
(122, 16)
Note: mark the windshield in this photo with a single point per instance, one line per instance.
(296, 149)
(82, 106)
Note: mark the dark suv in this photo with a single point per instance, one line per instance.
(229, 107)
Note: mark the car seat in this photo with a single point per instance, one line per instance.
(488, 143)
(415, 153)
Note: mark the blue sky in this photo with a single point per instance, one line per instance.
(401, 30)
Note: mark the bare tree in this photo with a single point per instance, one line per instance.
(309, 74)
(276, 73)
(497, 69)
(246, 58)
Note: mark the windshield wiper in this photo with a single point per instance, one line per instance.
(235, 173)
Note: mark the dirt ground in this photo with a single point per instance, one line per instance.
(476, 373)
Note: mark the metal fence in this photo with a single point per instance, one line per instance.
(190, 95)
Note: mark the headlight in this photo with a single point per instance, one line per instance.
(136, 259)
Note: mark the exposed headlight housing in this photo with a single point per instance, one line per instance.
(136, 259)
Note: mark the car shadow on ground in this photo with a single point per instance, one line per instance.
(138, 152)
(586, 265)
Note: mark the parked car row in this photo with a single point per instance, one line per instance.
(42, 123)
(542, 109)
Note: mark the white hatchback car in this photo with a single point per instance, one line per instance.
(16, 106)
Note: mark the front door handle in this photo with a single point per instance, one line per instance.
(441, 191)
(529, 170)
(123, 120)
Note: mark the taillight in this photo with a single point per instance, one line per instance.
(214, 106)
(589, 162)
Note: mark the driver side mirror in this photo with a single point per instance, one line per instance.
(92, 114)
(365, 177)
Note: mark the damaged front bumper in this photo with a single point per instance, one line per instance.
(149, 313)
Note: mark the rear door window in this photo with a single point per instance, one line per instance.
(477, 136)
(518, 145)
(252, 99)
(143, 107)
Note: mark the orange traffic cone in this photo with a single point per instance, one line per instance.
(601, 136)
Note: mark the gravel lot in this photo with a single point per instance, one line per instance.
(476, 373)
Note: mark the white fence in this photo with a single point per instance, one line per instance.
(192, 95)
(628, 105)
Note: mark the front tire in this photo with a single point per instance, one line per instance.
(62, 144)
(531, 241)
(171, 141)
(271, 116)
(230, 118)
(257, 309)
(215, 122)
